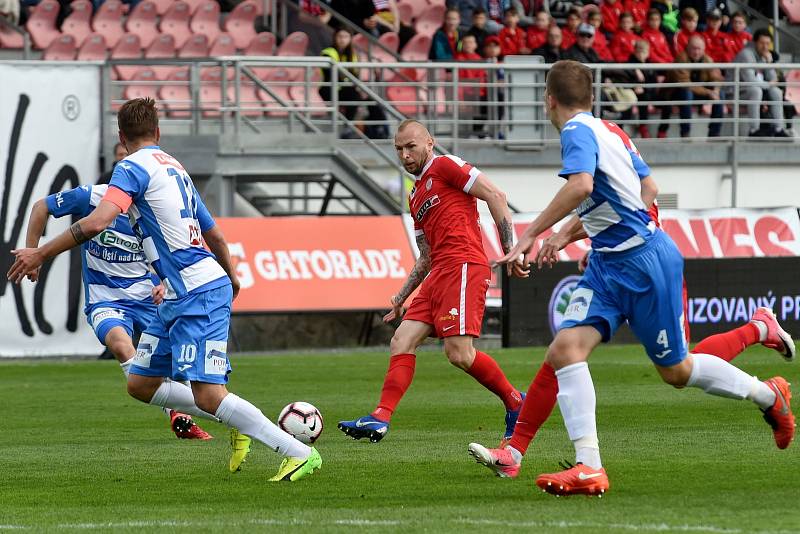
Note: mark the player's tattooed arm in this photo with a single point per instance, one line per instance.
(77, 233)
(506, 231)
(421, 269)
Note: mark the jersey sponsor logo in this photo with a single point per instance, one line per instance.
(426, 205)
(585, 206)
(59, 199)
(216, 360)
(165, 159)
(106, 313)
(579, 304)
(452, 315)
(109, 238)
(144, 351)
(559, 301)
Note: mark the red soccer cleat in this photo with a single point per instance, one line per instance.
(575, 480)
(777, 338)
(780, 416)
(185, 428)
(500, 461)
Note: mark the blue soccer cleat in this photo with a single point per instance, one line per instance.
(511, 419)
(367, 427)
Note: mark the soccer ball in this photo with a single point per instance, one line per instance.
(302, 420)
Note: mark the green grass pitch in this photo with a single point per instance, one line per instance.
(77, 454)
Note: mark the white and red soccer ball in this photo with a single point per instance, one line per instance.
(302, 420)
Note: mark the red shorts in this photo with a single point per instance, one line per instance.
(452, 300)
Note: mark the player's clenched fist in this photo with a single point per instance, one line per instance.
(27, 263)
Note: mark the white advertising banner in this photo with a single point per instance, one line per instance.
(49, 141)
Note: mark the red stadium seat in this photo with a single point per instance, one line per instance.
(262, 44)
(361, 44)
(418, 48)
(128, 47)
(390, 40)
(78, 23)
(417, 7)
(279, 81)
(206, 21)
(309, 97)
(108, 21)
(196, 46)
(241, 24)
(10, 38)
(223, 46)
(210, 93)
(248, 97)
(61, 49)
(295, 44)
(406, 12)
(146, 85)
(162, 6)
(176, 95)
(176, 23)
(259, 5)
(437, 2)
(792, 10)
(42, 24)
(430, 20)
(194, 5)
(793, 88)
(93, 48)
(162, 48)
(142, 22)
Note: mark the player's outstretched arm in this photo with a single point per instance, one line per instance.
(36, 224)
(28, 260)
(421, 269)
(569, 233)
(578, 187)
(495, 198)
(219, 247)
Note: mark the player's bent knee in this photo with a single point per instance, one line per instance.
(677, 375)
(140, 390)
(402, 344)
(461, 359)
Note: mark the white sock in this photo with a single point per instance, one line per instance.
(576, 400)
(238, 413)
(762, 330)
(717, 377)
(126, 367)
(178, 397)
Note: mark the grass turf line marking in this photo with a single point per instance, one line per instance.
(653, 527)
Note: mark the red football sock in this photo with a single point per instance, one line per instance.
(729, 345)
(395, 385)
(486, 371)
(539, 403)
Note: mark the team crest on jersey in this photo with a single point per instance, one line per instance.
(429, 184)
(451, 315)
(425, 206)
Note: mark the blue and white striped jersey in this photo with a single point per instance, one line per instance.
(614, 215)
(114, 265)
(169, 216)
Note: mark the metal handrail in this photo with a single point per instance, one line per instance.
(26, 38)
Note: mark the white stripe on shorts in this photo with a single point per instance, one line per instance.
(462, 305)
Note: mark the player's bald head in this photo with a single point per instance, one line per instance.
(412, 128)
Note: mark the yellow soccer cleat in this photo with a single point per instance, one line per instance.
(240, 448)
(293, 469)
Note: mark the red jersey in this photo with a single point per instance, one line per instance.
(446, 214)
(740, 40)
(471, 75)
(511, 41)
(601, 46)
(536, 37)
(637, 8)
(567, 38)
(719, 46)
(682, 39)
(622, 45)
(611, 13)
(659, 47)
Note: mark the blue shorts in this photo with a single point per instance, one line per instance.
(643, 286)
(132, 315)
(188, 339)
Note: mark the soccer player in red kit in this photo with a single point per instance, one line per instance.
(451, 301)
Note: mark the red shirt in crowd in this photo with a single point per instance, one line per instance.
(536, 37)
(601, 46)
(567, 38)
(719, 46)
(445, 212)
(472, 75)
(611, 13)
(682, 39)
(638, 8)
(622, 45)
(511, 41)
(659, 47)
(740, 40)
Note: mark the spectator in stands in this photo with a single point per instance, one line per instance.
(478, 28)
(312, 9)
(360, 12)
(570, 29)
(467, 7)
(638, 8)
(525, 9)
(119, 154)
(641, 54)
(688, 30)
(492, 49)
(694, 89)
(595, 18)
(551, 51)
(704, 7)
(496, 9)
(583, 50)
(469, 52)
(388, 16)
(513, 39)
(624, 39)
(669, 18)
(350, 97)
(537, 34)
(739, 33)
(764, 86)
(446, 39)
(611, 11)
(493, 54)
(719, 45)
(659, 51)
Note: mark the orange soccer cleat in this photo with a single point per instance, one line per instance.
(577, 479)
(500, 461)
(780, 416)
(185, 428)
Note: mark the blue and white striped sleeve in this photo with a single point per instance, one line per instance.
(579, 150)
